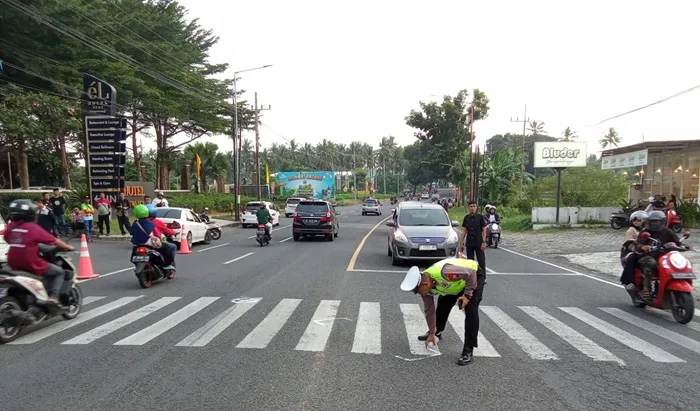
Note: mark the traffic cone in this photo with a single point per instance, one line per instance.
(184, 245)
(85, 268)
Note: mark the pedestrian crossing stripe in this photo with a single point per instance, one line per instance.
(367, 337)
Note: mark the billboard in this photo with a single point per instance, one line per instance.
(550, 154)
(634, 159)
(319, 185)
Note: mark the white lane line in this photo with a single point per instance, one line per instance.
(368, 331)
(415, 323)
(273, 230)
(153, 331)
(218, 324)
(528, 342)
(693, 325)
(261, 336)
(107, 275)
(540, 274)
(562, 268)
(88, 300)
(573, 337)
(662, 332)
(238, 258)
(377, 271)
(56, 328)
(485, 348)
(490, 271)
(316, 335)
(114, 325)
(633, 342)
(211, 248)
(286, 239)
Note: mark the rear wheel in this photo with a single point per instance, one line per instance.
(684, 307)
(76, 303)
(146, 278)
(9, 331)
(296, 237)
(616, 224)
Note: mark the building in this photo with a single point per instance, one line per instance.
(663, 167)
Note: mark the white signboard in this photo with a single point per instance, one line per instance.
(634, 159)
(565, 154)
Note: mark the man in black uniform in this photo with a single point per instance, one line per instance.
(473, 236)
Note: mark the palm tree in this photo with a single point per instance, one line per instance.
(536, 128)
(568, 135)
(214, 163)
(611, 139)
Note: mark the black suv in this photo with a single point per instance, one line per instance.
(315, 217)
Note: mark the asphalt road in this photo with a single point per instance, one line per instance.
(305, 326)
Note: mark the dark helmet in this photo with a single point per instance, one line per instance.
(23, 210)
(656, 221)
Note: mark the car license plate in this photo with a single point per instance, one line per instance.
(261, 231)
(139, 259)
(427, 247)
(311, 222)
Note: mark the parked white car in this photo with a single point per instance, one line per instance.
(249, 216)
(4, 248)
(291, 205)
(195, 230)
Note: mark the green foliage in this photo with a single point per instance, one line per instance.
(512, 219)
(689, 213)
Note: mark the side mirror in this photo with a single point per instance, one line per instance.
(455, 223)
(686, 234)
(391, 223)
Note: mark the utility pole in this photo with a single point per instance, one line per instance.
(384, 171)
(472, 177)
(257, 143)
(525, 120)
(354, 172)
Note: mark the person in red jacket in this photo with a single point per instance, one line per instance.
(169, 250)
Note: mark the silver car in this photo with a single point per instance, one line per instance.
(421, 231)
(371, 206)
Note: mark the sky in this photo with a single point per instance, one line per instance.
(349, 71)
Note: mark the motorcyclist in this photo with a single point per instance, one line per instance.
(628, 257)
(656, 227)
(492, 216)
(264, 218)
(205, 214)
(23, 236)
(144, 228)
(169, 250)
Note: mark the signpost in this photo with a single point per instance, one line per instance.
(560, 155)
(105, 137)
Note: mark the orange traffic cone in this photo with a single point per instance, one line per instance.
(85, 269)
(184, 245)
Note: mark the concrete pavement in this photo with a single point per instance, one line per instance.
(305, 326)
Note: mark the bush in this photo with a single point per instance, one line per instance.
(511, 218)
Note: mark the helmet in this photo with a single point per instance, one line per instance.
(656, 221)
(22, 210)
(152, 210)
(639, 215)
(141, 211)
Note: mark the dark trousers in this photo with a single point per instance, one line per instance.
(471, 319)
(124, 224)
(480, 257)
(103, 220)
(627, 276)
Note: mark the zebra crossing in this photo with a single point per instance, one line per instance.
(522, 327)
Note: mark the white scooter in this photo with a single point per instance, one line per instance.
(494, 232)
(24, 300)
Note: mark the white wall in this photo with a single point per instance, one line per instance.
(571, 215)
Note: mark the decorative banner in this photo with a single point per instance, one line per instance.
(565, 154)
(634, 159)
(318, 185)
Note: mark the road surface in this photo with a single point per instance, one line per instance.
(316, 325)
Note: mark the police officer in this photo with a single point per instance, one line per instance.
(454, 280)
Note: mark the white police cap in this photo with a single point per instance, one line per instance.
(412, 279)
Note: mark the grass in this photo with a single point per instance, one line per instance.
(511, 220)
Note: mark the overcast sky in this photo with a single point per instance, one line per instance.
(353, 70)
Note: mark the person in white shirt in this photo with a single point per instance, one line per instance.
(160, 201)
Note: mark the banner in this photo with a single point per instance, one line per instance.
(554, 154)
(319, 185)
(634, 159)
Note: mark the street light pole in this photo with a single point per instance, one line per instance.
(237, 135)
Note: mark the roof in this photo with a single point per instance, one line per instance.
(655, 147)
(414, 205)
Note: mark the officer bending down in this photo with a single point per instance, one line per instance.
(454, 280)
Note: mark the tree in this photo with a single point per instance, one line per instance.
(214, 163)
(536, 128)
(568, 135)
(611, 139)
(499, 173)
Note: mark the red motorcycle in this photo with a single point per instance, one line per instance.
(673, 221)
(672, 287)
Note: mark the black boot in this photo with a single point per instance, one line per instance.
(465, 358)
(426, 335)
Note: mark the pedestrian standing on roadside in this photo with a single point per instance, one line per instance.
(58, 205)
(122, 206)
(474, 237)
(104, 210)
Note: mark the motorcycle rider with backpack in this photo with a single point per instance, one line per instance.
(169, 250)
(145, 232)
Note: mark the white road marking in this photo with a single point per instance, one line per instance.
(56, 328)
(217, 325)
(531, 345)
(490, 271)
(316, 336)
(261, 336)
(539, 274)
(485, 348)
(368, 330)
(273, 230)
(693, 325)
(635, 343)
(211, 248)
(107, 275)
(286, 239)
(415, 323)
(238, 258)
(114, 325)
(88, 300)
(573, 337)
(662, 332)
(153, 331)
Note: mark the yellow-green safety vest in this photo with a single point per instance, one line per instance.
(444, 287)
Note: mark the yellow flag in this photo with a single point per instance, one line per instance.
(198, 161)
(267, 174)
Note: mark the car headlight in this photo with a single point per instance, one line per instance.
(452, 238)
(678, 260)
(400, 237)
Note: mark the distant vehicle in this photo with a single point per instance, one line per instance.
(4, 248)
(371, 206)
(250, 218)
(421, 231)
(196, 231)
(290, 205)
(315, 217)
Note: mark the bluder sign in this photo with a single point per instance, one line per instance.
(556, 154)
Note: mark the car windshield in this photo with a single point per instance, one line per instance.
(293, 201)
(370, 202)
(169, 213)
(423, 217)
(314, 208)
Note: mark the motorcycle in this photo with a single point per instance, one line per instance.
(24, 300)
(672, 287)
(262, 237)
(149, 264)
(215, 230)
(494, 234)
(673, 222)
(619, 219)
